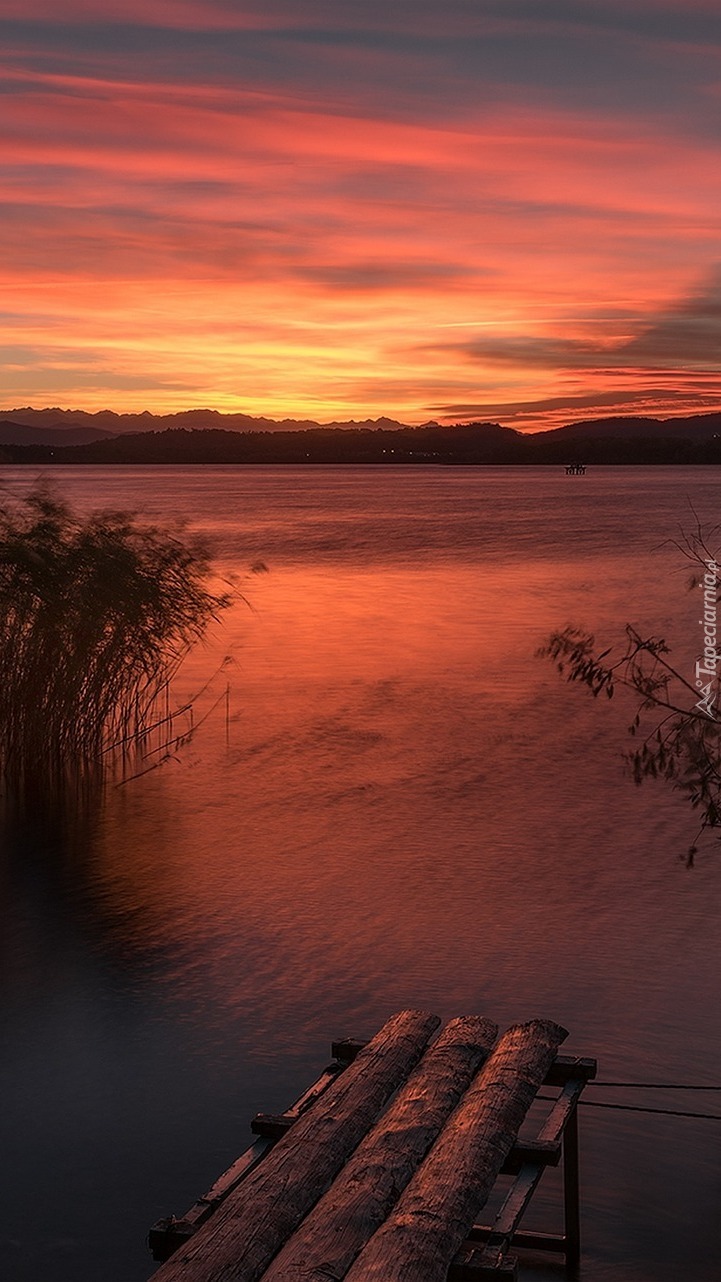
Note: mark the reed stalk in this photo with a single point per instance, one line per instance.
(96, 615)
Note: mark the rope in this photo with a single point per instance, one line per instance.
(638, 1108)
(635, 1108)
(655, 1086)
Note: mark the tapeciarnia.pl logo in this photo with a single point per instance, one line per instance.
(707, 668)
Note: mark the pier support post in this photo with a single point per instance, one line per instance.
(571, 1194)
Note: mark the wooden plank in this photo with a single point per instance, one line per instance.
(499, 1239)
(567, 1067)
(557, 1120)
(166, 1235)
(271, 1126)
(346, 1049)
(331, 1236)
(472, 1268)
(238, 1242)
(541, 1152)
(530, 1240)
(433, 1216)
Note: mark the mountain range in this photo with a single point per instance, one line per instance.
(207, 436)
(79, 427)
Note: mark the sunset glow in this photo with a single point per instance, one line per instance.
(332, 210)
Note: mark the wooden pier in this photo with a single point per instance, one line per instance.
(344, 1185)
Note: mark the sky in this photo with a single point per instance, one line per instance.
(474, 209)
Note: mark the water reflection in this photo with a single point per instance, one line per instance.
(407, 809)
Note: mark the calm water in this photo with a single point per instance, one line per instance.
(406, 808)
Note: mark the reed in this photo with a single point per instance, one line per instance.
(96, 614)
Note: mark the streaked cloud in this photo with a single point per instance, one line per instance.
(685, 336)
(335, 210)
(675, 360)
(556, 411)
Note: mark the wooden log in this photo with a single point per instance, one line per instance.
(470, 1259)
(331, 1236)
(434, 1214)
(238, 1242)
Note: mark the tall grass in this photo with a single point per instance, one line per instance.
(96, 614)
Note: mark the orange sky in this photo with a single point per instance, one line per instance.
(330, 210)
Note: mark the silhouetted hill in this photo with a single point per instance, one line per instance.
(12, 433)
(699, 427)
(469, 443)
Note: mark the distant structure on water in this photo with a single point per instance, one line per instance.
(575, 469)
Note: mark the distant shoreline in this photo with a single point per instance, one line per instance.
(552, 464)
(610, 442)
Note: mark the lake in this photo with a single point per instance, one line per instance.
(395, 804)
